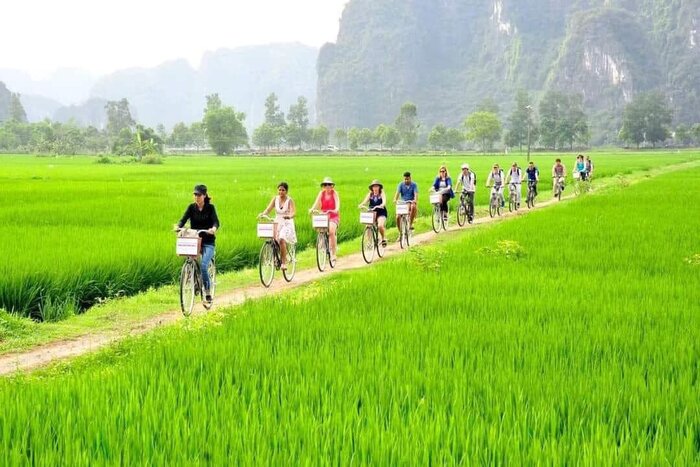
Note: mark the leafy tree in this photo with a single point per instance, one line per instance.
(298, 123)
(273, 116)
(387, 136)
(695, 131)
(407, 124)
(682, 136)
(483, 128)
(118, 117)
(438, 136)
(520, 122)
(366, 137)
(562, 120)
(17, 112)
(454, 139)
(574, 127)
(266, 136)
(319, 136)
(354, 138)
(161, 132)
(341, 137)
(223, 125)
(180, 137)
(198, 135)
(646, 119)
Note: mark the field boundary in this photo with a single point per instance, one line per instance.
(16, 362)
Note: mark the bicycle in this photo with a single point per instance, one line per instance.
(582, 184)
(189, 245)
(512, 197)
(403, 211)
(531, 184)
(271, 253)
(465, 211)
(320, 221)
(439, 219)
(370, 241)
(558, 187)
(496, 201)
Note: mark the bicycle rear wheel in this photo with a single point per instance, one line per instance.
(437, 218)
(492, 206)
(266, 264)
(511, 202)
(212, 285)
(291, 262)
(187, 287)
(499, 205)
(367, 246)
(321, 253)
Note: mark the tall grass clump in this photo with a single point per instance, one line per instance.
(582, 346)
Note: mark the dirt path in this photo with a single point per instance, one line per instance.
(43, 355)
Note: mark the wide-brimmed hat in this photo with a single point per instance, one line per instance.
(376, 182)
(327, 181)
(200, 190)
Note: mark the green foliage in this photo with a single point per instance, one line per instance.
(118, 117)
(319, 136)
(407, 124)
(223, 126)
(562, 120)
(521, 124)
(298, 123)
(646, 119)
(483, 128)
(341, 137)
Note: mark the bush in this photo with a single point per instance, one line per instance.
(152, 159)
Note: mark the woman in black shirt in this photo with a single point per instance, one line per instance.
(202, 216)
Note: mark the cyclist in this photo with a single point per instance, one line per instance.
(377, 202)
(285, 210)
(443, 185)
(589, 168)
(408, 192)
(329, 202)
(496, 177)
(558, 172)
(202, 216)
(581, 167)
(515, 177)
(467, 180)
(533, 176)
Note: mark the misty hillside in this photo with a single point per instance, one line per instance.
(448, 55)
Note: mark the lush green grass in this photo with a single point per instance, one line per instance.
(571, 335)
(83, 231)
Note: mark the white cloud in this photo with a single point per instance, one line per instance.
(104, 35)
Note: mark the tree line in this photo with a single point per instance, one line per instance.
(558, 122)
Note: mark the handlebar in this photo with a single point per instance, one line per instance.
(183, 232)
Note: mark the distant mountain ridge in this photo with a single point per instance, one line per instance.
(448, 55)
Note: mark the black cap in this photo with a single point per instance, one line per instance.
(200, 189)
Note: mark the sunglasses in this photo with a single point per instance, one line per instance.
(443, 171)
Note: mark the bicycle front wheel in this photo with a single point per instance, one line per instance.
(437, 218)
(212, 285)
(511, 203)
(187, 287)
(461, 215)
(381, 245)
(321, 253)
(266, 265)
(492, 206)
(291, 262)
(368, 245)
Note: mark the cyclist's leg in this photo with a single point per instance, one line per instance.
(534, 189)
(413, 209)
(381, 222)
(332, 239)
(518, 193)
(443, 204)
(283, 252)
(207, 255)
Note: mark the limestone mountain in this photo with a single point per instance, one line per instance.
(446, 56)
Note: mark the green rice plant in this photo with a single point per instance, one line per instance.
(585, 350)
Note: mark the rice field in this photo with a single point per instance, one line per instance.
(568, 336)
(82, 232)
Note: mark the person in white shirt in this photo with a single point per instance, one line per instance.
(497, 179)
(467, 180)
(515, 177)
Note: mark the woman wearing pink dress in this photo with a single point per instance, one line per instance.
(327, 201)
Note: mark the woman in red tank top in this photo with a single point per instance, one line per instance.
(328, 201)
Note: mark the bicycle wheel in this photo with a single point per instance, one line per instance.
(266, 264)
(403, 227)
(437, 218)
(187, 287)
(212, 285)
(408, 233)
(381, 247)
(499, 205)
(511, 202)
(461, 214)
(367, 246)
(558, 194)
(321, 253)
(492, 206)
(331, 261)
(291, 262)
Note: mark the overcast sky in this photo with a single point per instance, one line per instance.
(39, 36)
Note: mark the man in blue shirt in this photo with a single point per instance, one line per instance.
(407, 191)
(533, 176)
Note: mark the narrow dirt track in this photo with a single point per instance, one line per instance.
(12, 363)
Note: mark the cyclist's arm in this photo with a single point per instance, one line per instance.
(383, 205)
(215, 221)
(315, 205)
(184, 219)
(337, 203)
(269, 207)
(364, 201)
(292, 210)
